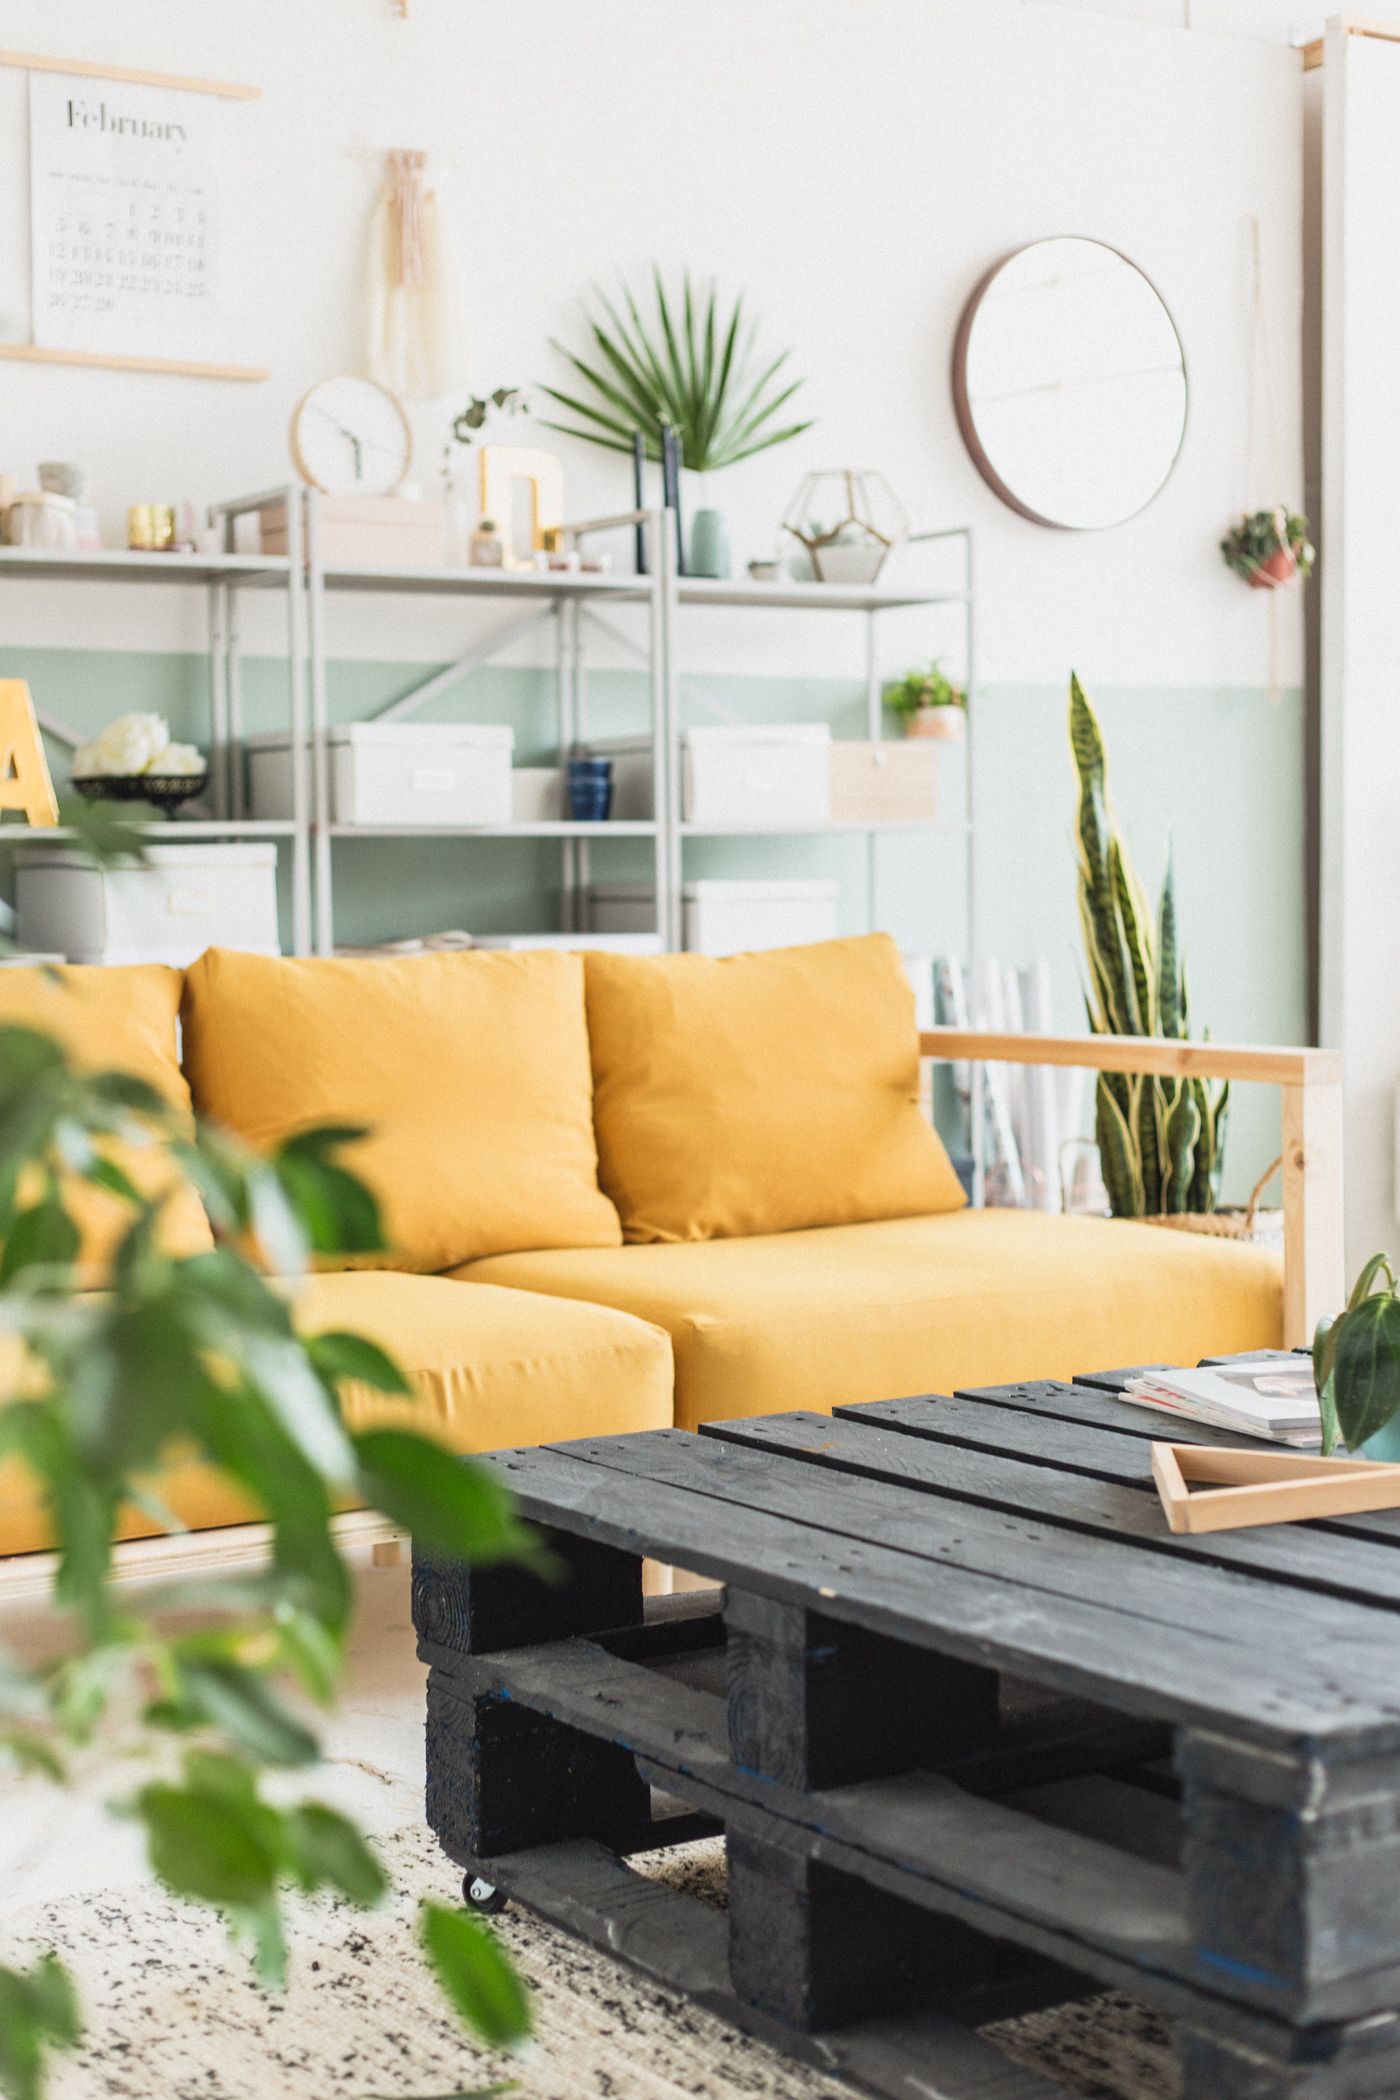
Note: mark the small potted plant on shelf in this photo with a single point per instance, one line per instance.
(927, 703)
(1270, 549)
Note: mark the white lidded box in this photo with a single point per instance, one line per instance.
(731, 918)
(190, 898)
(397, 773)
(609, 943)
(750, 774)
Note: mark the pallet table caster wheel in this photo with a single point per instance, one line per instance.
(483, 1895)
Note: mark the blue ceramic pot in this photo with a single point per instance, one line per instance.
(709, 544)
(590, 789)
(1384, 1446)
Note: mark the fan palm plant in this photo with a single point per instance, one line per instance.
(1161, 1141)
(690, 370)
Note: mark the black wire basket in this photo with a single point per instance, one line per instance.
(166, 791)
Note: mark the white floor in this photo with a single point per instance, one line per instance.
(58, 1842)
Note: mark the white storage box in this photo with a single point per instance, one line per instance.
(731, 918)
(397, 773)
(189, 899)
(536, 795)
(778, 774)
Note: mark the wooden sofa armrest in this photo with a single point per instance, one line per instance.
(1314, 1277)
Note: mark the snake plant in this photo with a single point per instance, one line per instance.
(1161, 1141)
(689, 368)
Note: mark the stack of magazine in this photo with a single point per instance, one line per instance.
(1271, 1397)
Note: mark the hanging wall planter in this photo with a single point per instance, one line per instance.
(1270, 549)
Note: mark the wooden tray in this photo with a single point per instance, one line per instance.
(1266, 1487)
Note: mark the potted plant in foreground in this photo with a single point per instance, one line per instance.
(1270, 549)
(1356, 1365)
(203, 1351)
(927, 703)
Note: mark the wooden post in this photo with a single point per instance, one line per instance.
(1314, 1270)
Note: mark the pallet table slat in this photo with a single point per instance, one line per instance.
(1345, 1568)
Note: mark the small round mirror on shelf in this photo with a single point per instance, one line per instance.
(1069, 384)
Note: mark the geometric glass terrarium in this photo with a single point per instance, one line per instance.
(847, 520)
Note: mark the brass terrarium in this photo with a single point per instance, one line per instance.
(847, 521)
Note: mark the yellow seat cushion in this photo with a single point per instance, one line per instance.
(761, 1093)
(492, 1367)
(469, 1070)
(115, 1020)
(918, 1305)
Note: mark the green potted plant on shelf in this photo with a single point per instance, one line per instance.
(1270, 549)
(927, 703)
(1356, 1366)
(689, 372)
(1161, 1141)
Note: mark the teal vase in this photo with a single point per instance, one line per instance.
(709, 544)
(1384, 1446)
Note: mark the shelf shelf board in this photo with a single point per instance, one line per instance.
(120, 565)
(485, 583)
(563, 830)
(830, 829)
(179, 832)
(808, 597)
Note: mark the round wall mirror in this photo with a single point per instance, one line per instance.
(1069, 384)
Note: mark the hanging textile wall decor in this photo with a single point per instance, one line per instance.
(413, 324)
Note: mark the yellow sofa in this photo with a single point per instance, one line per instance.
(625, 1191)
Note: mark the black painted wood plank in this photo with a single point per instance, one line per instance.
(936, 1840)
(1122, 1452)
(1051, 1397)
(682, 1944)
(1355, 1647)
(1090, 1650)
(1124, 1510)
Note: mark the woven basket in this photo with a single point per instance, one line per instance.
(1233, 1224)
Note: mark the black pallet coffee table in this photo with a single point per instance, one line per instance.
(981, 1733)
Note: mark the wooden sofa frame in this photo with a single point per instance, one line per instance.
(1314, 1277)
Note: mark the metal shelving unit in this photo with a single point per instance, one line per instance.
(574, 604)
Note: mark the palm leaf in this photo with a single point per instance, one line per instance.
(682, 366)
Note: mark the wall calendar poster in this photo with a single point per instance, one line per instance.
(124, 206)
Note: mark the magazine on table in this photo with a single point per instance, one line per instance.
(1265, 1397)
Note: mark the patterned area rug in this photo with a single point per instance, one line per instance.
(174, 2014)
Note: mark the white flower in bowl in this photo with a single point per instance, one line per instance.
(179, 758)
(131, 744)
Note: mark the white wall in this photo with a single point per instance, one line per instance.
(853, 167)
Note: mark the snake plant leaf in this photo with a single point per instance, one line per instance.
(1097, 905)
(1183, 1129)
(1150, 1124)
(1118, 1155)
(1171, 982)
(1366, 1374)
(687, 367)
(1131, 907)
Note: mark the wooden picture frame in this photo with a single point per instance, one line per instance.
(1265, 1487)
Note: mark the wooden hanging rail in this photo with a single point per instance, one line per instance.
(31, 62)
(178, 367)
(1351, 25)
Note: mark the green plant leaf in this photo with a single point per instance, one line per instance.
(240, 1703)
(325, 1849)
(1171, 987)
(30, 1753)
(449, 1504)
(339, 1356)
(38, 2012)
(475, 1975)
(336, 1211)
(44, 1237)
(1183, 1129)
(1118, 1158)
(1366, 1368)
(213, 1846)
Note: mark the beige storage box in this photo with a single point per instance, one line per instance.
(190, 898)
(429, 773)
(537, 795)
(366, 532)
(887, 783)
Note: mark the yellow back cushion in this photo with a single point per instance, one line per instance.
(470, 1071)
(115, 1020)
(761, 1093)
